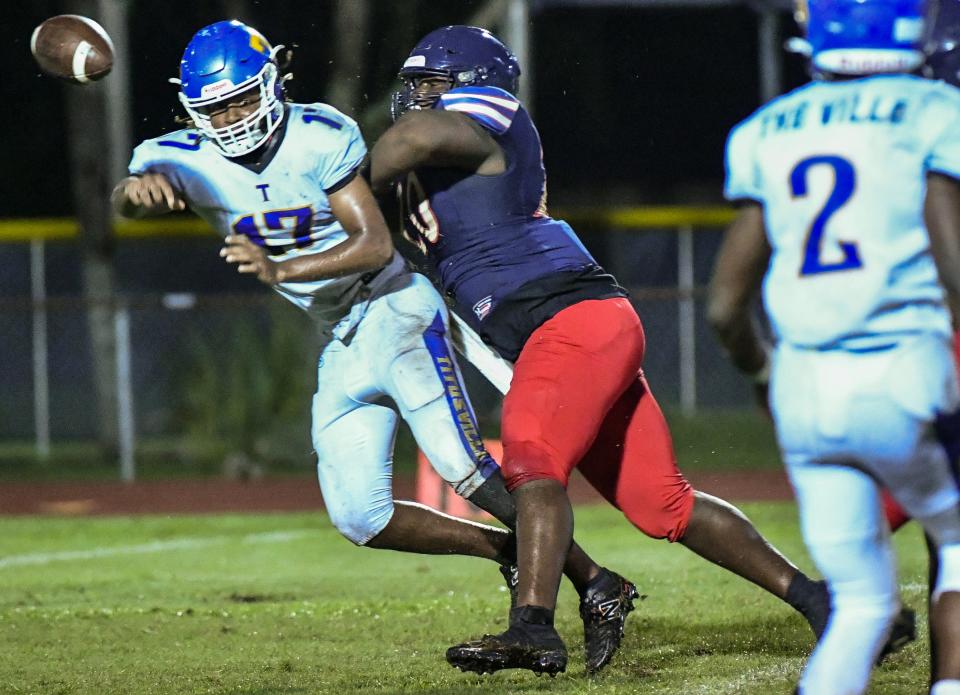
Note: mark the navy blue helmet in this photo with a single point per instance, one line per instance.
(862, 37)
(222, 61)
(464, 56)
(942, 44)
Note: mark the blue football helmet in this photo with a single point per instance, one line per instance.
(862, 37)
(224, 60)
(464, 56)
(942, 42)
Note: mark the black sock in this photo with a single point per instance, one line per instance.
(508, 553)
(532, 625)
(604, 582)
(532, 615)
(801, 590)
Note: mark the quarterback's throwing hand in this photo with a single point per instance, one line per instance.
(150, 194)
(249, 258)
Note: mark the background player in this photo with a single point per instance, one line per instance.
(278, 181)
(472, 182)
(835, 181)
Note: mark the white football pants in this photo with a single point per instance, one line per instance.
(848, 423)
(398, 362)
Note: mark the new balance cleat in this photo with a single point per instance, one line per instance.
(534, 646)
(604, 609)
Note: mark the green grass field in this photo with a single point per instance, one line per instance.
(281, 604)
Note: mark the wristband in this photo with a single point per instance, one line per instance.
(761, 377)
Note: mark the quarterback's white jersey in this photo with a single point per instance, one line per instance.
(840, 170)
(284, 207)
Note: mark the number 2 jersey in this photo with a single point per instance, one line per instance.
(506, 263)
(840, 169)
(282, 206)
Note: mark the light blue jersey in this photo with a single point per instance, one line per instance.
(840, 170)
(285, 207)
(386, 348)
(863, 386)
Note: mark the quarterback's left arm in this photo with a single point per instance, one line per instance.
(737, 276)
(433, 139)
(368, 245)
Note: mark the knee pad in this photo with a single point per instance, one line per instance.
(948, 577)
(360, 525)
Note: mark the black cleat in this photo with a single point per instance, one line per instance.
(511, 576)
(534, 646)
(604, 609)
(903, 632)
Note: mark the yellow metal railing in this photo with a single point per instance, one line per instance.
(653, 217)
(614, 218)
(684, 220)
(58, 228)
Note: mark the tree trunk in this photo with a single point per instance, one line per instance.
(350, 32)
(89, 150)
(235, 9)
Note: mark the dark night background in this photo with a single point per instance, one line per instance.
(633, 108)
(633, 105)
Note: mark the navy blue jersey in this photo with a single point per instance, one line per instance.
(489, 236)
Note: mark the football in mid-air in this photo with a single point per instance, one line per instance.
(73, 48)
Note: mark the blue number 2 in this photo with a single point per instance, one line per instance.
(845, 181)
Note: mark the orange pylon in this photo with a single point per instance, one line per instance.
(434, 491)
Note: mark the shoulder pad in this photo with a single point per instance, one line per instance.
(491, 107)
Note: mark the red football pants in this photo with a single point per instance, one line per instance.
(578, 399)
(896, 515)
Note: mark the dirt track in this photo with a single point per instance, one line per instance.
(292, 494)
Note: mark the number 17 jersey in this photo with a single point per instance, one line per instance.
(840, 170)
(283, 206)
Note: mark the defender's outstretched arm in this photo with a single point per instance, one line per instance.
(433, 139)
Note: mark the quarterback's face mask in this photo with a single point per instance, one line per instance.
(230, 87)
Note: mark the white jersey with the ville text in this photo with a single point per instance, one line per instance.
(840, 169)
(284, 207)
